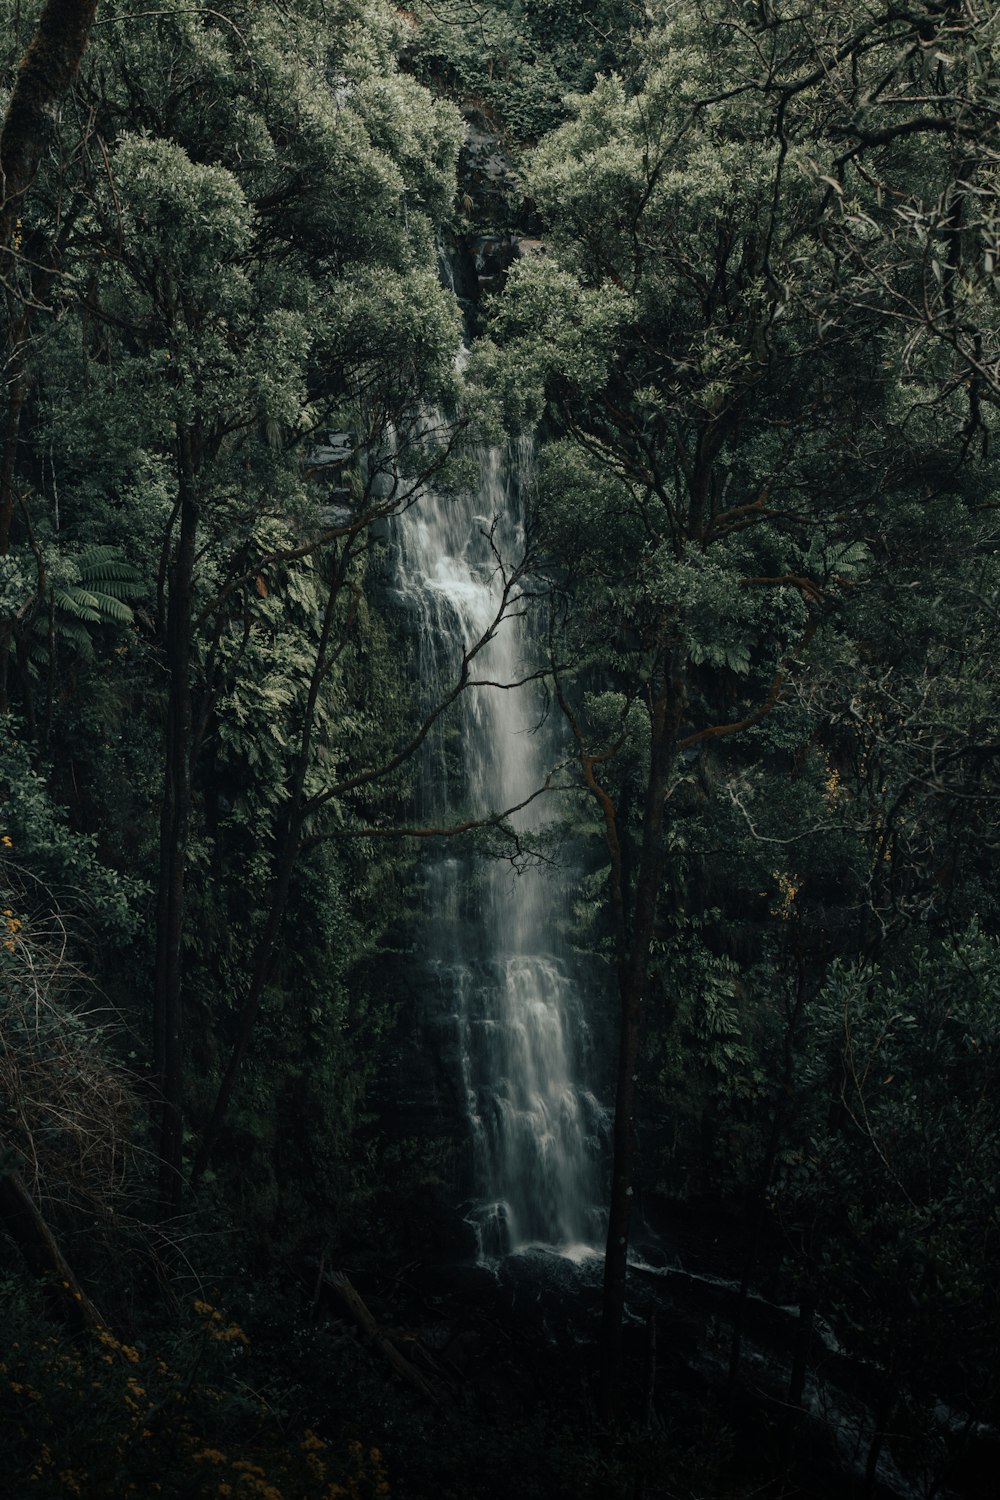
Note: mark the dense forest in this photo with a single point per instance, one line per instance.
(677, 324)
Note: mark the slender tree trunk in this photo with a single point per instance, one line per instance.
(649, 1393)
(22, 1220)
(284, 868)
(782, 1107)
(47, 69)
(633, 969)
(883, 1419)
(263, 962)
(17, 391)
(175, 821)
(804, 1329)
(619, 1216)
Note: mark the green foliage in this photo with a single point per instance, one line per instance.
(759, 350)
(707, 1059)
(301, 1156)
(94, 589)
(724, 347)
(517, 59)
(65, 597)
(900, 1173)
(249, 265)
(53, 868)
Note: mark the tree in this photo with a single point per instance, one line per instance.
(46, 72)
(244, 248)
(724, 409)
(513, 61)
(255, 269)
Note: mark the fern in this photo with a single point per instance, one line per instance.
(849, 560)
(105, 565)
(734, 655)
(99, 595)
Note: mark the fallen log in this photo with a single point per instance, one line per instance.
(21, 1219)
(366, 1324)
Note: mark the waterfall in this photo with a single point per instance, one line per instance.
(495, 944)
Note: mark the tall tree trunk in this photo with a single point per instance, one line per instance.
(758, 1202)
(47, 69)
(260, 976)
(17, 391)
(175, 822)
(633, 968)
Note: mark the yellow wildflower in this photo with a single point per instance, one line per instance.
(788, 888)
(228, 1335)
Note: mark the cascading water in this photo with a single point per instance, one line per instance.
(496, 947)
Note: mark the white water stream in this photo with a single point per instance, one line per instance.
(496, 943)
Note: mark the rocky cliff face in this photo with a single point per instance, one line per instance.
(495, 224)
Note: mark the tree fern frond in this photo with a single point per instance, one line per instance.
(77, 603)
(104, 584)
(73, 633)
(118, 588)
(113, 608)
(103, 567)
(99, 556)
